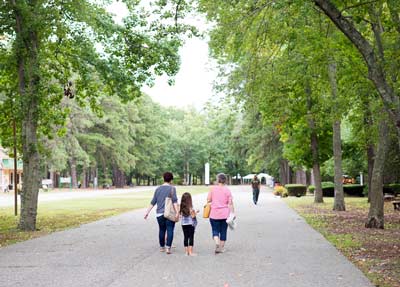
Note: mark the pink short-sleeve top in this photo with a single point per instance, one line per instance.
(220, 197)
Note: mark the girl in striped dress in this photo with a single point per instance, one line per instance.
(189, 222)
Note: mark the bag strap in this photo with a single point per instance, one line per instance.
(170, 193)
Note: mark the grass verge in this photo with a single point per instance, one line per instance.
(375, 252)
(60, 215)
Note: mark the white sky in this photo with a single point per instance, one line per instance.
(194, 82)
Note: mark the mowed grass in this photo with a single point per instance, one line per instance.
(375, 252)
(63, 214)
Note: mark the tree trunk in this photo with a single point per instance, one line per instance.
(31, 177)
(370, 160)
(338, 203)
(318, 196)
(118, 177)
(376, 209)
(27, 50)
(74, 179)
(83, 178)
(284, 172)
(129, 179)
(186, 176)
(376, 71)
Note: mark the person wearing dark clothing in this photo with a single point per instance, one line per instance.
(255, 184)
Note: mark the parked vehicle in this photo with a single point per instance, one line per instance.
(348, 179)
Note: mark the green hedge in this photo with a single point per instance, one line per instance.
(393, 188)
(354, 189)
(296, 189)
(328, 189)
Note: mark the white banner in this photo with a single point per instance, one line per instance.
(47, 181)
(65, 179)
(207, 173)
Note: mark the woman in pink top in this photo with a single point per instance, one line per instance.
(220, 198)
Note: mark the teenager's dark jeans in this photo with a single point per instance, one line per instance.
(165, 226)
(256, 193)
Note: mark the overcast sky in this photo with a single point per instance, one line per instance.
(193, 83)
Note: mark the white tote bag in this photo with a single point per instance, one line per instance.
(169, 210)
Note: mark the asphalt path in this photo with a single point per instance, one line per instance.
(272, 246)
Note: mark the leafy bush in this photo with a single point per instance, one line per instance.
(285, 193)
(279, 190)
(393, 188)
(354, 189)
(328, 189)
(296, 189)
(327, 184)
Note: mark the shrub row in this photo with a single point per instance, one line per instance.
(328, 189)
(393, 188)
(296, 189)
(354, 189)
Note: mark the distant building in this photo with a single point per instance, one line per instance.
(7, 171)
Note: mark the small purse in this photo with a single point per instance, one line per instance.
(206, 210)
(194, 220)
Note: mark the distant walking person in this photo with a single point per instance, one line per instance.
(189, 223)
(221, 201)
(255, 184)
(165, 225)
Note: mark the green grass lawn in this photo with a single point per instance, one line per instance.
(375, 252)
(64, 214)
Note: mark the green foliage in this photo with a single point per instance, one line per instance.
(393, 188)
(280, 191)
(328, 188)
(296, 189)
(354, 189)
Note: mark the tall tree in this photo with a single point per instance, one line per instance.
(78, 45)
(338, 203)
(379, 54)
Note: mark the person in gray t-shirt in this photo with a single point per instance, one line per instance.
(165, 225)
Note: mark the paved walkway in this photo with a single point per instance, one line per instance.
(272, 246)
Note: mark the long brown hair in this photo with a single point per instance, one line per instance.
(186, 204)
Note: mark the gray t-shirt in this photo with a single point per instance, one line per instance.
(160, 194)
